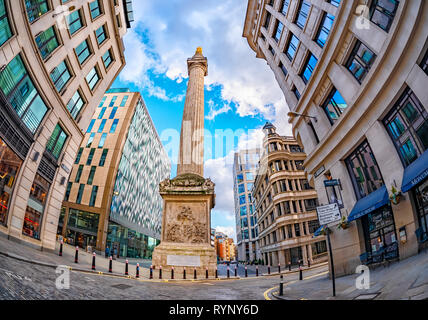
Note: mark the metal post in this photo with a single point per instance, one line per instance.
(137, 271)
(331, 262)
(216, 273)
(246, 272)
(228, 273)
(289, 266)
(126, 268)
(60, 249)
(172, 272)
(268, 269)
(160, 272)
(236, 271)
(93, 261)
(206, 273)
(194, 273)
(151, 271)
(257, 271)
(300, 273)
(110, 265)
(279, 268)
(184, 273)
(281, 286)
(76, 256)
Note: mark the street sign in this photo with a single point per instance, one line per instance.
(328, 213)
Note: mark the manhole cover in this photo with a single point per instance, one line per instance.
(369, 296)
(121, 286)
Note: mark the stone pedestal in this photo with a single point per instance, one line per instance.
(186, 226)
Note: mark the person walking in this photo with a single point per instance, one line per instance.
(107, 252)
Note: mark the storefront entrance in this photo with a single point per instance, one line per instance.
(81, 239)
(420, 194)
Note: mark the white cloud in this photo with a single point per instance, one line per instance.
(229, 231)
(214, 112)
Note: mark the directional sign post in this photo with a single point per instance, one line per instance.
(329, 214)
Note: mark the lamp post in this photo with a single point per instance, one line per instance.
(293, 114)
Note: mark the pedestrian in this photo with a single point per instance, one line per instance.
(107, 252)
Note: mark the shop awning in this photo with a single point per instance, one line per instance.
(318, 231)
(373, 201)
(415, 173)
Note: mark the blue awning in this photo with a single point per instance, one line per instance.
(318, 231)
(369, 203)
(415, 173)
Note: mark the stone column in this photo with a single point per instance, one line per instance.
(281, 257)
(304, 254)
(310, 253)
(191, 156)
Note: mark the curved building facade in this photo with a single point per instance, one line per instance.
(357, 72)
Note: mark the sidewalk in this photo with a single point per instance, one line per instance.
(403, 280)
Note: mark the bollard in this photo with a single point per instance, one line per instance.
(206, 273)
(236, 271)
(194, 273)
(300, 273)
(93, 261)
(160, 272)
(281, 286)
(151, 272)
(279, 268)
(172, 272)
(60, 249)
(76, 256)
(257, 271)
(110, 265)
(126, 267)
(289, 266)
(216, 273)
(309, 263)
(246, 272)
(184, 273)
(228, 274)
(137, 271)
(268, 269)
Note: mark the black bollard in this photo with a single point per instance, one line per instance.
(289, 266)
(151, 272)
(216, 273)
(268, 269)
(76, 256)
(309, 263)
(236, 271)
(300, 273)
(137, 271)
(281, 286)
(172, 272)
(160, 272)
(110, 265)
(206, 273)
(279, 268)
(60, 249)
(228, 274)
(126, 267)
(194, 273)
(257, 271)
(93, 261)
(246, 272)
(184, 273)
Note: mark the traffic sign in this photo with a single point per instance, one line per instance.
(328, 213)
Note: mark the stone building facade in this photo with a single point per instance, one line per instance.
(285, 204)
(57, 60)
(354, 75)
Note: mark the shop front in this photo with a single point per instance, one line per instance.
(82, 228)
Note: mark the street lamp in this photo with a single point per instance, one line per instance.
(293, 114)
(69, 9)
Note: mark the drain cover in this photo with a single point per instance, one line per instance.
(369, 296)
(121, 286)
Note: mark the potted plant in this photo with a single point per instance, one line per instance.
(344, 224)
(395, 196)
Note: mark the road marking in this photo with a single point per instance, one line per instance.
(267, 292)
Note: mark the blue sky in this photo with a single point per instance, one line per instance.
(241, 93)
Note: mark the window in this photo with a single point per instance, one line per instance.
(80, 193)
(283, 69)
(313, 225)
(324, 29)
(299, 165)
(297, 229)
(90, 157)
(93, 78)
(90, 140)
(272, 51)
(424, 63)
(124, 100)
(107, 58)
(277, 31)
(243, 210)
(360, 61)
(314, 133)
(36, 8)
(56, 141)
(74, 21)
(47, 42)
(60, 76)
(114, 125)
(5, 31)
(95, 8)
(296, 92)
(364, 171)
(241, 188)
(335, 3)
(79, 173)
(292, 47)
(91, 124)
(311, 204)
(302, 14)
(284, 6)
(93, 196)
(113, 113)
(334, 105)
(75, 104)
(91, 175)
(67, 191)
(79, 155)
(119, 21)
(102, 101)
(101, 34)
(113, 101)
(102, 125)
(308, 68)
(249, 176)
(102, 112)
(83, 51)
(242, 199)
(407, 125)
(382, 13)
(103, 158)
(102, 140)
(240, 178)
(267, 20)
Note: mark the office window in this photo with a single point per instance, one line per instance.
(19, 90)
(267, 20)
(297, 229)
(90, 140)
(241, 188)
(74, 21)
(424, 63)
(93, 196)
(242, 199)
(284, 6)
(119, 21)
(103, 158)
(308, 68)
(91, 175)
(91, 124)
(313, 225)
(296, 92)
(407, 125)
(335, 3)
(80, 193)
(102, 140)
(102, 125)
(113, 101)
(283, 69)
(114, 125)
(60, 76)
(75, 104)
(292, 47)
(364, 171)
(101, 34)
(310, 204)
(382, 13)
(36, 8)
(360, 61)
(79, 155)
(124, 100)
(334, 105)
(272, 51)
(83, 51)
(79, 173)
(93, 78)
(107, 58)
(56, 141)
(299, 165)
(324, 29)
(302, 14)
(314, 133)
(278, 31)
(113, 113)
(47, 42)
(95, 8)
(102, 101)
(102, 112)
(90, 157)
(67, 191)
(5, 31)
